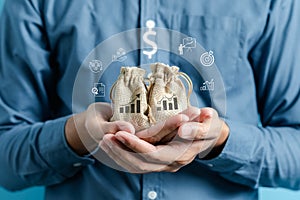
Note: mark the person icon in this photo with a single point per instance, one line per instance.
(180, 49)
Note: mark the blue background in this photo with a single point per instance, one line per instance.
(37, 193)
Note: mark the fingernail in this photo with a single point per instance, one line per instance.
(186, 132)
(185, 118)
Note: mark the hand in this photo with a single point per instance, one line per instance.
(197, 137)
(135, 155)
(163, 132)
(201, 121)
(85, 130)
(209, 128)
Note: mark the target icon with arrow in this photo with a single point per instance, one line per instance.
(207, 59)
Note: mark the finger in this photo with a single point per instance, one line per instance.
(113, 127)
(207, 114)
(198, 148)
(192, 112)
(97, 128)
(100, 110)
(165, 155)
(157, 132)
(210, 117)
(168, 138)
(134, 143)
(136, 166)
(129, 160)
(175, 155)
(198, 131)
(123, 165)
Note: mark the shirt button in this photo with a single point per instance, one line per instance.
(152, 195)
(150, 23)
(77, 164)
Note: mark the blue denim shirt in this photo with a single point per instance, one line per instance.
(255, 43)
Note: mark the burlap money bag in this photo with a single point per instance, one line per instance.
(129, 98)
(167, 94)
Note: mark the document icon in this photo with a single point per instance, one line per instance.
(99, 90)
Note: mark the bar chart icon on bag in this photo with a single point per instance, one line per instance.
(133, 107)
(167, 103)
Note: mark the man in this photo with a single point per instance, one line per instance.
(43, 44)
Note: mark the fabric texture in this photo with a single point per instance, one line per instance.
(129, 98)
(167, 94)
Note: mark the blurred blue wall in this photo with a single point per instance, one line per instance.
(37, 193)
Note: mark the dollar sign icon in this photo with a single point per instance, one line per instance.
(150, 25)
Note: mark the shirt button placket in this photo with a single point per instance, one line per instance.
(152, 186)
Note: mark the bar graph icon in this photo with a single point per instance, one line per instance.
(208, 86)
(133, 107)
(167, 103)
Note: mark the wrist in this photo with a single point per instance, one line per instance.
(77, 136)
(220, 144)
(223, 135)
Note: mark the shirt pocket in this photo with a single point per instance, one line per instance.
(220, 34)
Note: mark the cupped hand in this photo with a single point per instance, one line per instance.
(164, 132)
(85, 130)
(203, 132)
(135, 155)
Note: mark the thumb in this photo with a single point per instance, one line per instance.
(97, 129)
(116, 126)
(193, 131)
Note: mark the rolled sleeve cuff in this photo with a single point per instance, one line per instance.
(56, 152)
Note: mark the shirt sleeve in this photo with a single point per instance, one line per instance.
(33, 148)
(268, 154)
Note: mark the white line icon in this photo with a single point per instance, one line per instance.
(96, 66)
(187, 43)
(207, 59)
(150, 25)
(120, 55)
(208, 86)
(95, 91)
(98, 90)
